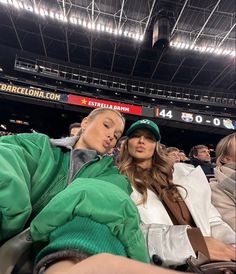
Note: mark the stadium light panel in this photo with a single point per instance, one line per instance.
(73, 20)
(203, 49)
(28, 8)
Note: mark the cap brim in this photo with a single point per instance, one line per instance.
(145, 126)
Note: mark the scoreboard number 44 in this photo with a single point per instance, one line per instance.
(166, 113)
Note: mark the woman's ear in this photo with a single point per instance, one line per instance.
(84, 124)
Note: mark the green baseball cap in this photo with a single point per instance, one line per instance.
(147, 124)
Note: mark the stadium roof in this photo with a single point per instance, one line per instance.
(202, 23)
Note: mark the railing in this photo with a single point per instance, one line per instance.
(122, 84)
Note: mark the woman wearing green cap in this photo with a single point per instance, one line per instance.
(178, 219)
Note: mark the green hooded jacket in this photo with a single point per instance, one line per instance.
(33, 171)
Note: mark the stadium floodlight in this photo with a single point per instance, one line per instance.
(98, 27)
(203, 49)
(54, 15)
(233, 53)
(141, 38)
(4, 2)
(226, 52)
(73, 20)
(136, 36)
(51, 14)
(28, 7)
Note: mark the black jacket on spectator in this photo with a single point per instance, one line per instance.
(207, 167)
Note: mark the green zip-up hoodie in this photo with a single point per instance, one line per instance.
(32, 172)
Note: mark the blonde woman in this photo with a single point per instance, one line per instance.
(76, 202)
(178, 219)
(224, 185)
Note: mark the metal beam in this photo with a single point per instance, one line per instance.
(203, 66)
(234, 82)
(41, 35)
(218, 76)
(149, 16)
(177, 21)
(64, 8)
(211, 36)
(226, 35)
(178, 69)
(113, 57)
(158, 62)
(14, 27)
(209, 17)
(121, 12)
(92, 11)
(88, 8)
(91, 51)
(135, 61)
(67, 45)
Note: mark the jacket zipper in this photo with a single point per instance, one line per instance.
(82, 167)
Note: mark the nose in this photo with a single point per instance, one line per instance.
(110, 135)
(141, 139)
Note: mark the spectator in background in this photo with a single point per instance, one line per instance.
(178, 219)
(74, 129)
(200, 156)
(173, 154)
(183, 157)
(116, 150)
(224, 185)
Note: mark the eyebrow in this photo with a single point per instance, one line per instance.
(117, 131)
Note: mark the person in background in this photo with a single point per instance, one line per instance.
(173, 154)
(183, 157)
(116, 150)
(200, 156)
(223, 187)
(178, 219)
(74, 129)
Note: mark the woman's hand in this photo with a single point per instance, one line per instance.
(219, 250)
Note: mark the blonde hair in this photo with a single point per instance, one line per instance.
(97, 111)
(158, 178)
(224, 147)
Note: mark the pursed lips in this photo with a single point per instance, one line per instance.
(140, 148)
(106, 144)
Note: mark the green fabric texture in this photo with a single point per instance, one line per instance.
(102, 202)
(33, 172)
(85, 235)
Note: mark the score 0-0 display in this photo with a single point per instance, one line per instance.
(194, 118)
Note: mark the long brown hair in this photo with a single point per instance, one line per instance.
(158, 178)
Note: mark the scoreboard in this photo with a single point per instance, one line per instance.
(195, 118)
